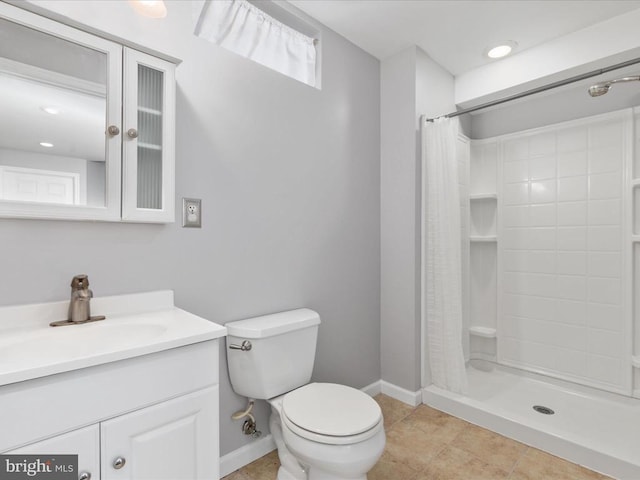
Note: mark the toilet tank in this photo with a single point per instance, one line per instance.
(283, 348)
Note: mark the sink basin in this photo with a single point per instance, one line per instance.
(77, 340)
(30, 348)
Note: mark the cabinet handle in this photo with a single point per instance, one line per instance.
(118, 463)
(113, 130)
(84, 476)
(132, 132)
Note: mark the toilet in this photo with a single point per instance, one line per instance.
(323, 431)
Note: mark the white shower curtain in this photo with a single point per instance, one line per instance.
(441, 255)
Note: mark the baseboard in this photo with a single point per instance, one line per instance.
(246, 454)
(374, 389)
(405, 396)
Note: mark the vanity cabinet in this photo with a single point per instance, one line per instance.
(172, 440)
(88, 125)
(153, 417)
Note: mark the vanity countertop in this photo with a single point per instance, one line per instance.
(136, 324)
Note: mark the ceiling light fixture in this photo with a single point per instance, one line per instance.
(501, 50)
(46, 144)
(150, 8)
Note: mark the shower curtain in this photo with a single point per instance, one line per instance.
(441, 255)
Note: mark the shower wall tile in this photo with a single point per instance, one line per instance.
(516, 194)
(604, 160)
(542, 144)
(608, 239)
(542, 262)
(541, 238)
(562, 264)
(604, 342)
(605, 212)
(516, 171)
(572, 213)
(543, 191)
(605, 185)
(516, 216)
(572, 189)
(605, 317)
(572, 139)
(605, 264)
(516, 149)
(605, 135)
(543, 215)
(571, 287)
(569, 311)
(572, 238)
(572, 263)
(605, 290)
(542, 168)
(572, 163)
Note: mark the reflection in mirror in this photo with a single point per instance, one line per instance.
(53, 104)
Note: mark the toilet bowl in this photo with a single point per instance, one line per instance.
(334, 432)
(323, 431)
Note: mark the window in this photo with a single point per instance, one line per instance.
(243, 28)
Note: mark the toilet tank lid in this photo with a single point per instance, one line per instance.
(273, 324)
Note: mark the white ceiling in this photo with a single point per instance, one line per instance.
(455, 33)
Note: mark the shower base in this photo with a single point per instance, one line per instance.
(596, 429)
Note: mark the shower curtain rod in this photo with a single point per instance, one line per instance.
(544, 88)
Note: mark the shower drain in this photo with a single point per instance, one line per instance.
(543, 410)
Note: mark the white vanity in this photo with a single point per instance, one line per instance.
(135, 395)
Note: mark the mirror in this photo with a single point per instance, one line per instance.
(52, 127)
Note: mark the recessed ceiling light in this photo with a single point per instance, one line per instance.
(46, 144)
(501, 50)
(51, 110)
(150, 8)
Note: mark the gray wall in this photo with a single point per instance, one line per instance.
(289, 177)
(411, 85)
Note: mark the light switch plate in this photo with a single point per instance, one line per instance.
(191, 212)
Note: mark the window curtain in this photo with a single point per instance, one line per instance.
(441, 262)
(241, 27)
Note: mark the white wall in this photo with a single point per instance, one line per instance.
(411, 85)
(289, 178)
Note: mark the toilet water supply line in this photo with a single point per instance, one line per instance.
(249, 426)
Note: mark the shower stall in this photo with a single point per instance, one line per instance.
(550, 201)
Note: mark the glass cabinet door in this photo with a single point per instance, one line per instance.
(148, 139)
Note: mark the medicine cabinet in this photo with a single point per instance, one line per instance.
(87, 126)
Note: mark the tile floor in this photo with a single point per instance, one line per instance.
(426, 444)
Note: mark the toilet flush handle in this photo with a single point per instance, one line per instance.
(245, 346)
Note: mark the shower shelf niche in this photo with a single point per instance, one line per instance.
(483, 238)
(485, 332)
(483, 196)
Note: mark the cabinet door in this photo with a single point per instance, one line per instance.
(84, 442)
(148, 139)
(174, 440)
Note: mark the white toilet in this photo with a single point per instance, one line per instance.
(323, 431)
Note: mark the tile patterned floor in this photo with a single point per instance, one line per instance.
(426, 444)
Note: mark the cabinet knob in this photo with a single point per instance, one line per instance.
(132, 132)
(84, 476)
(118, 463)
(113, 130)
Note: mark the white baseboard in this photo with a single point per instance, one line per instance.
(405, 396)
(246, 454)
(374, 389)
(250, 452)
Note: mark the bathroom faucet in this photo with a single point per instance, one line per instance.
(79, 305)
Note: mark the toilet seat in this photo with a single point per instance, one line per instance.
(331, 413)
